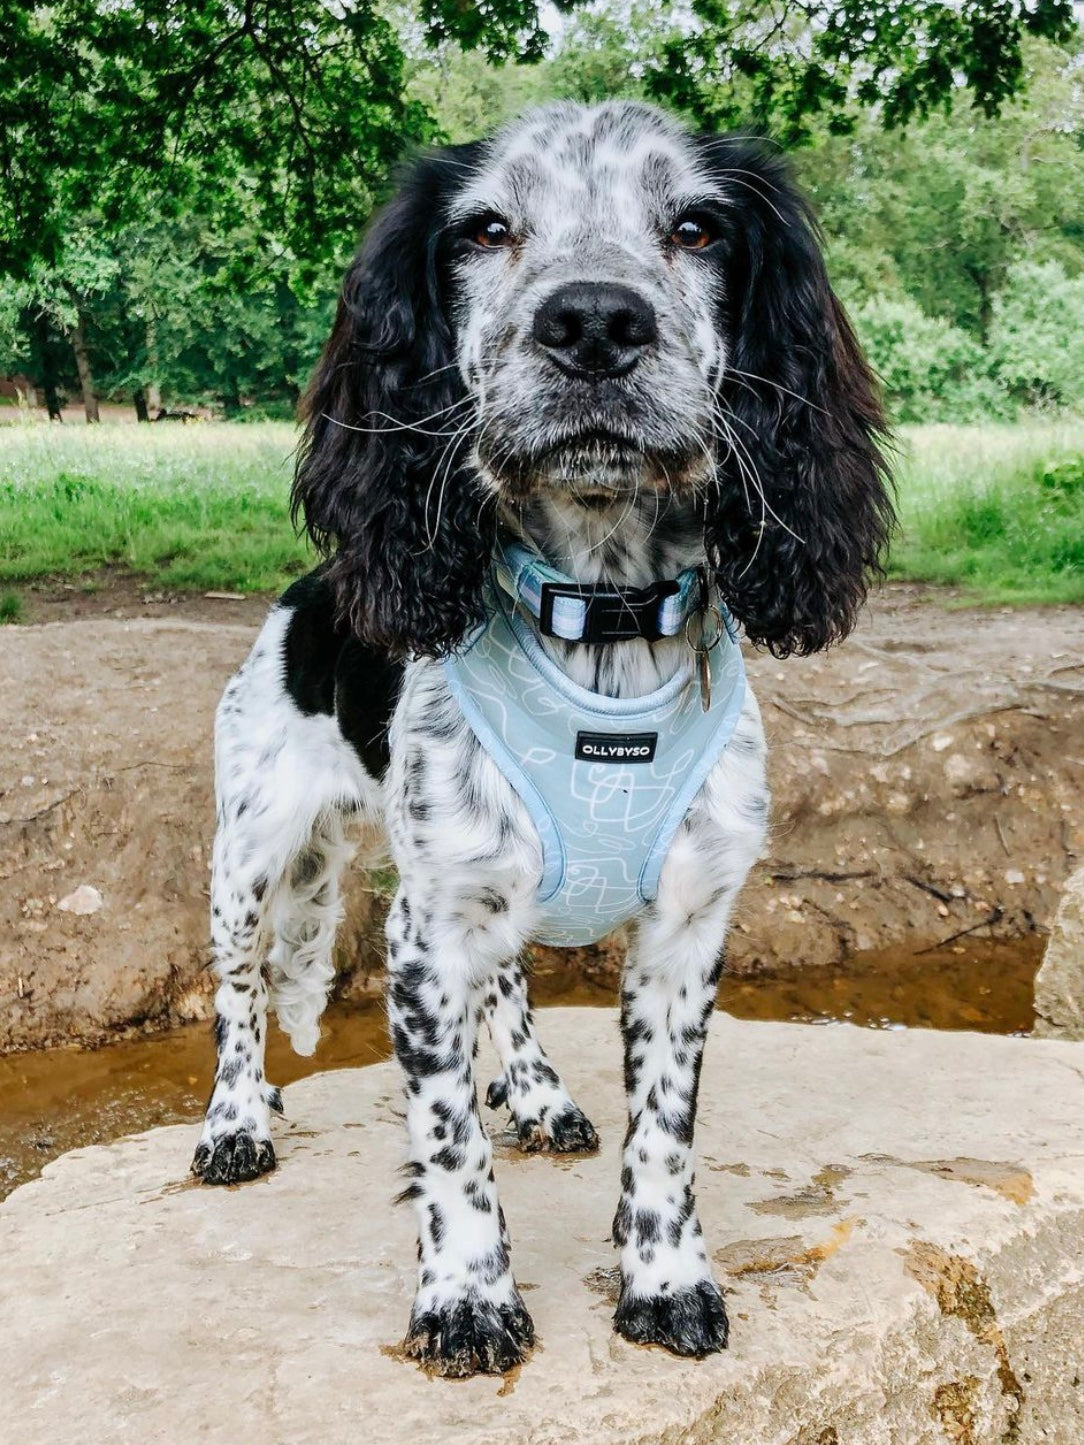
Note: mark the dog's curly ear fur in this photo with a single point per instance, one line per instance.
(803, 510)
(380, 480)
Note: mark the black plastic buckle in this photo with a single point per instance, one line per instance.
(609, 615)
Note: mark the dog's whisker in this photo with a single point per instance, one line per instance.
(777, 386)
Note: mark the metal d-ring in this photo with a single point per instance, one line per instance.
(720, 628)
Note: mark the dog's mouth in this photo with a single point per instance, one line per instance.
(595, 465)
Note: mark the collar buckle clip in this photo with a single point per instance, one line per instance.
(609, 615)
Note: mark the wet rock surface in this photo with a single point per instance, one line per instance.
(897, 1220)
(927, 776)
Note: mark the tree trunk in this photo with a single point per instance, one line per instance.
(86, 376)
(152, 388)
(139, 397)
(39, 327)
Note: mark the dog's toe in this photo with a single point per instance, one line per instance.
(571, 1132)
(568, 1132)
(470, 1336)
(688, 1322)
(233, 1158)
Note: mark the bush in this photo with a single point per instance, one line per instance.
(1037, 336)
(932, 371)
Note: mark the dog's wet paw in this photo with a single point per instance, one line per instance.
(568, 1132)
(688, 1322)
(233, 1158)
(470, 1336)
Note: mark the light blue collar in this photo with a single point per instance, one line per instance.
(594, 612)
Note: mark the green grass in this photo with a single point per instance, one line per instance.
(997, 511)
(11, 607)
(197, 506)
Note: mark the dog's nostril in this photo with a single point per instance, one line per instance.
(595, 328)
(557, 327)
(634, 326)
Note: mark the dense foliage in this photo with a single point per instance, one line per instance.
(181, 181)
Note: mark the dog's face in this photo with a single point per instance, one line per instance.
(588, 261)
(598, 302)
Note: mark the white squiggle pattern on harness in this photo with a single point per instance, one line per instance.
(605, 827)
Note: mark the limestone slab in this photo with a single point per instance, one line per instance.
(897, 1219)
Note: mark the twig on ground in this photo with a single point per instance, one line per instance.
(995, 917)
(930, 888)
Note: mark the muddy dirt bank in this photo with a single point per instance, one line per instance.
(928, 780)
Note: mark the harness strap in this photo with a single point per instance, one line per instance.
(594, 612)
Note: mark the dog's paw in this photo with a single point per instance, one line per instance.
(568, 1132)
(688, 1322)
(470, 1336)
(233, 1158)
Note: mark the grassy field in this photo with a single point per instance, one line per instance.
(200, 506)
(997, 511)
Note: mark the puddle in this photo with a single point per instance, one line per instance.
(62, 1099)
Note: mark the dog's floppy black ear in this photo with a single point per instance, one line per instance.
(380, 479)
(803, 510)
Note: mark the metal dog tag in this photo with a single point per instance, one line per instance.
(705, 678)
(703, 647)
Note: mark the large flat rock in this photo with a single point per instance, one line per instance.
(897, 1218)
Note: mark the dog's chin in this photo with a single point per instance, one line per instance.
(594, 471)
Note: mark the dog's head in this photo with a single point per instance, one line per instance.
(595, 302)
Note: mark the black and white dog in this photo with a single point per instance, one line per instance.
(616, 342)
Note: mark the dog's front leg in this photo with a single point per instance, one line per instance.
(668, 1295)
(468, 1316)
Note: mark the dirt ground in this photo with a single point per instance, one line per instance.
(928, 780)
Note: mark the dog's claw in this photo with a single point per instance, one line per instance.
(470, 1336)
(233, 1159)
(569, 1132)
(690, 1322)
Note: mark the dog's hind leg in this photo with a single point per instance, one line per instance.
(544, 1114)
(284, 780)
(235, 1144)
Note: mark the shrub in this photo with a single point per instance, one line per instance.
(1037, 336)
(932, 371)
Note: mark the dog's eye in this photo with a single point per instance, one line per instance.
(690, 233)
(491, 232)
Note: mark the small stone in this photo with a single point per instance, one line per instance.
(940, 741)
(84, 899)
(1014, 876)
(1059, 985)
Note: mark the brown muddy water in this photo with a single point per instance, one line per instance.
(63, 1099)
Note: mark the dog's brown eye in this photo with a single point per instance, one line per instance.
(690, 234)
(493, 232)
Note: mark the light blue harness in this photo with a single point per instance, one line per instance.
(607, 781)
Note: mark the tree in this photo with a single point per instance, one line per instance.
(181, 180)
(781, 64)
(941, 212)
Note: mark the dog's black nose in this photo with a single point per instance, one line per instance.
(595, 329)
